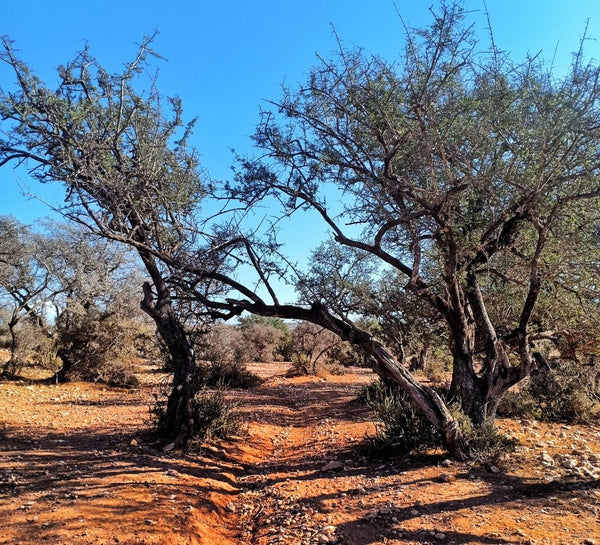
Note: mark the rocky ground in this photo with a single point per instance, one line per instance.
(76, 467)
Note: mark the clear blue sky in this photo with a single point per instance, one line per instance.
(224, 58)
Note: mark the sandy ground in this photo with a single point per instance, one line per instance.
(76, 467)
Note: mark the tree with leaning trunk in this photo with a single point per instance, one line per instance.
(465, 171)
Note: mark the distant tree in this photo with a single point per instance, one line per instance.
(266, 338)
(26, 286)
(98, 317)
(312, 345)
(223, 345)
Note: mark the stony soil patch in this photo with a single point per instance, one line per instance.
(76, 467)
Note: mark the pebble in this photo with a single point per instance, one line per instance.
(547, 460)
(334, 465)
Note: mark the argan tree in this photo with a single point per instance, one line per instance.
(458, 172)
(27, 285)
(463, 174)
(128, 176)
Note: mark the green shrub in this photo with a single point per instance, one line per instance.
(301, 366)
(519, 404)
(570, 393)
(483, 444)
(400, 425)
(228, 375)
(215, 416)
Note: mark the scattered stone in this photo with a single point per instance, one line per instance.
(172, 473)
(150, 522)
(439, 536)
(547, 460)
(334, 465)
(230, 507)
(568, 463)
(169, 447)
(133, 443)
(494, 469)
(372, 514)
(446, 463)
(447, 478)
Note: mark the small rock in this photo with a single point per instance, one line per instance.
(446, 463)
(150, 522)
(372, 514)
(547, 460)
(133, 443)
(439, 536)
(172, 473)
(230, 507)
(169, 447)
(589, 541)
(494, 469)
(447, 478)
(568, 463)
(334, 465)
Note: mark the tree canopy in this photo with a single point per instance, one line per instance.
(468, 180)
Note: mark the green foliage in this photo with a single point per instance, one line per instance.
(247, 322)
(519, 404)
(301, 366)
(483, 444)
(400, 425)
(214, 416)
(233, 375)
(570, 392)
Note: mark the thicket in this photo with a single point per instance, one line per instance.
(568, 392)
(402, 428)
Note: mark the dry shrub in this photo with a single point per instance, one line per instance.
(224, 349)
(400, 425)
(570, 392)
(97, 347)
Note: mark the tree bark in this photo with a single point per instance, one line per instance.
(383, 362)
(177, 421)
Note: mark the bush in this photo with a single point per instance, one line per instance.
(301, 365)
(96, 346)
(215, 416)
(223, 351)
(227, 375)
(568, 393)
(519, 404)
(403, 428)
(400, 425)
(483, 444)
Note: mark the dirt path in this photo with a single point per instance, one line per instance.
(75, 469)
